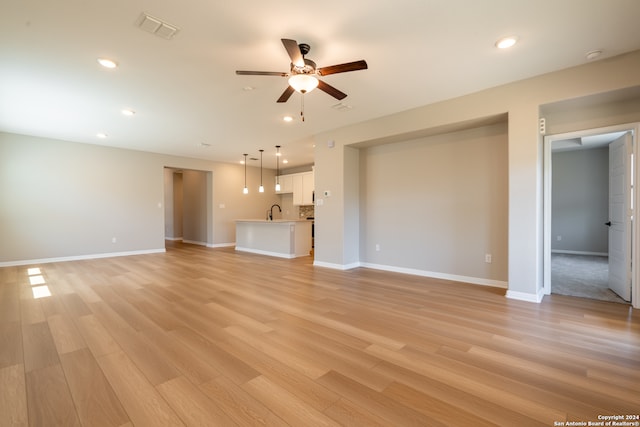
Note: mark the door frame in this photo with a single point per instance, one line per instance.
(634, 128)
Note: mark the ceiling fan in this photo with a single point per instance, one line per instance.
(303, 75)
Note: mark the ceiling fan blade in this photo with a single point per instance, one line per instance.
(294, 52)
(331, 90)
(343, 68)
(286, 94)
(262, 73)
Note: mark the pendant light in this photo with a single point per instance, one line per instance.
(277, 168)
(261, 188)
(245, 190)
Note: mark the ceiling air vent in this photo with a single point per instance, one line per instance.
(156, 26)
(341, 107)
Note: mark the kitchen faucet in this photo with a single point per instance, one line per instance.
(271, 211)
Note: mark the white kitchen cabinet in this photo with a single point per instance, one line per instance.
(297, 189)
(286, 184)
(307, 188)
(301, 185)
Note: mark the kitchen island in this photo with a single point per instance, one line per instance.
(284, 238)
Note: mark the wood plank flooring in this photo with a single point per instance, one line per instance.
(199, 337)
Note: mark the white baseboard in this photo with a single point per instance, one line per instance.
(525, 296)
(336, 266)
(435, 275)
(261, 252)
(194, 242)
(80, 257)
(220, 245)
(415, 272)
(562, 251)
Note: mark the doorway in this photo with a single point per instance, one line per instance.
(578, 237)
(187, 201)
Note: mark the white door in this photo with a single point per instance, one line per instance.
(620, 216)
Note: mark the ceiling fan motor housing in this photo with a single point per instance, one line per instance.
(304, 48)
(309, 67)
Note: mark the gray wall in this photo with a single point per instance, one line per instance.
(438, 204)
(194, 207)
(64, 200)
(177, 202)
(521, 102)
(173, 204)
(580, 201)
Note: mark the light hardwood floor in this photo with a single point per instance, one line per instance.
(202, 336)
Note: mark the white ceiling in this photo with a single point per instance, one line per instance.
(585, 142)
(185, 91)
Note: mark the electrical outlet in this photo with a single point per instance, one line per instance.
(113, 240)
(487, 258)
(377, 247)
(558, 238)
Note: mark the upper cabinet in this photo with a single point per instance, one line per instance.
(301, 185)
(286, 184)
(308, 183)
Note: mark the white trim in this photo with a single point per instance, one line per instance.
(194, 242)
(174, 239)
(562, 251)
(336, 266)
(435, 275)
(415, 272)
(261, 252)
(80, 257)
(525, 296)
(220, 245)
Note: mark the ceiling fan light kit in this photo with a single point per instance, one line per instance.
(303, 83)
(303, 74)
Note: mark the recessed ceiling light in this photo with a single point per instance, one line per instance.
(506, 42)
(107, 63)
(285, 161)
(101, 135)
(248, 88)
(287, 118)
(128, 112)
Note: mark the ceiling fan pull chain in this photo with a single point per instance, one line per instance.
(302, 107)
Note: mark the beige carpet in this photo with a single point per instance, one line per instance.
(583, 276)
